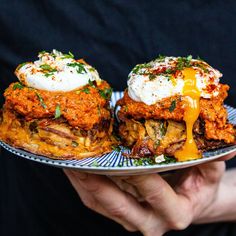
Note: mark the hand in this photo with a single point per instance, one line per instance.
(150, 203)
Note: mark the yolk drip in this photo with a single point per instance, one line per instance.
(192, 95)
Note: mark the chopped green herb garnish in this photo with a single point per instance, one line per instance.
(152, 77)
(183, 62)
(79, 67)
(189, 58)
(116, 148)
(202, 66)
(168, 160)
(143, 161)
(172, 106)
(42, 52)
(95, 164)
(18, 86)
(69, 55)
(74, 144)
(57, 112)
(21, 65)
(91, 83)
(120, 164)
(169, 71)
(92, 69)
(106, 93)
(49, 74)
(156, 144)
(161, 58)
(138, 67)
(48, 69)
(162, 128)
(86, 90)
(41, 100)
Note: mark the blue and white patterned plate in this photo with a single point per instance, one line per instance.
(115, 163)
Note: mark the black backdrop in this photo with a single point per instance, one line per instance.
(112, 35)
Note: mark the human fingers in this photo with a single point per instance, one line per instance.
(194, 178)
(92, 189)
(124, 186)
(199, 184)
(90, 201)
(173, 209)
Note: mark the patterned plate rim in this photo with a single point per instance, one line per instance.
(115, 161)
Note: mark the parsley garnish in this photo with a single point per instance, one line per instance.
(86, 90)
(162, 129)
(169, 71)
(41, 100)
(79, 67)
(172, 106)
(47, 67)
(152, 77)
(202, 66)
(160, 57)
(21, 65)
(138, 67)
(69, 55)
(183, 62)
(57, 112)
(92, 69)
(49, 74)
(18, 86)
(157, 143)
(106, 93)
(116, 148)
(74, 144)
(143, 161)
(168, 160)
(95, 164)
(42, 52)
(91, 83)
(189, 58)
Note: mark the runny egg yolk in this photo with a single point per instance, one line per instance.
(191, 94)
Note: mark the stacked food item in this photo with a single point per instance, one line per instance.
(60, 108)
(174, 106)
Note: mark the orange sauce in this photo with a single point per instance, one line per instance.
(192, 95)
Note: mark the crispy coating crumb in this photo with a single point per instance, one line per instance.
(212, 112)
(83, 108)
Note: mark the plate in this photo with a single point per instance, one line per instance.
(116, 164)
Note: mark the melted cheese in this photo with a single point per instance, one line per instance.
(192, 95)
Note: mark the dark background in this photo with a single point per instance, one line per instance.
(113, 36)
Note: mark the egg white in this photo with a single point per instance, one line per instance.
(65, 78)
(143, 89)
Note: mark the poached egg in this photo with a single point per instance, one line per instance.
(170, 76)
(163, 77)
(56, 71)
